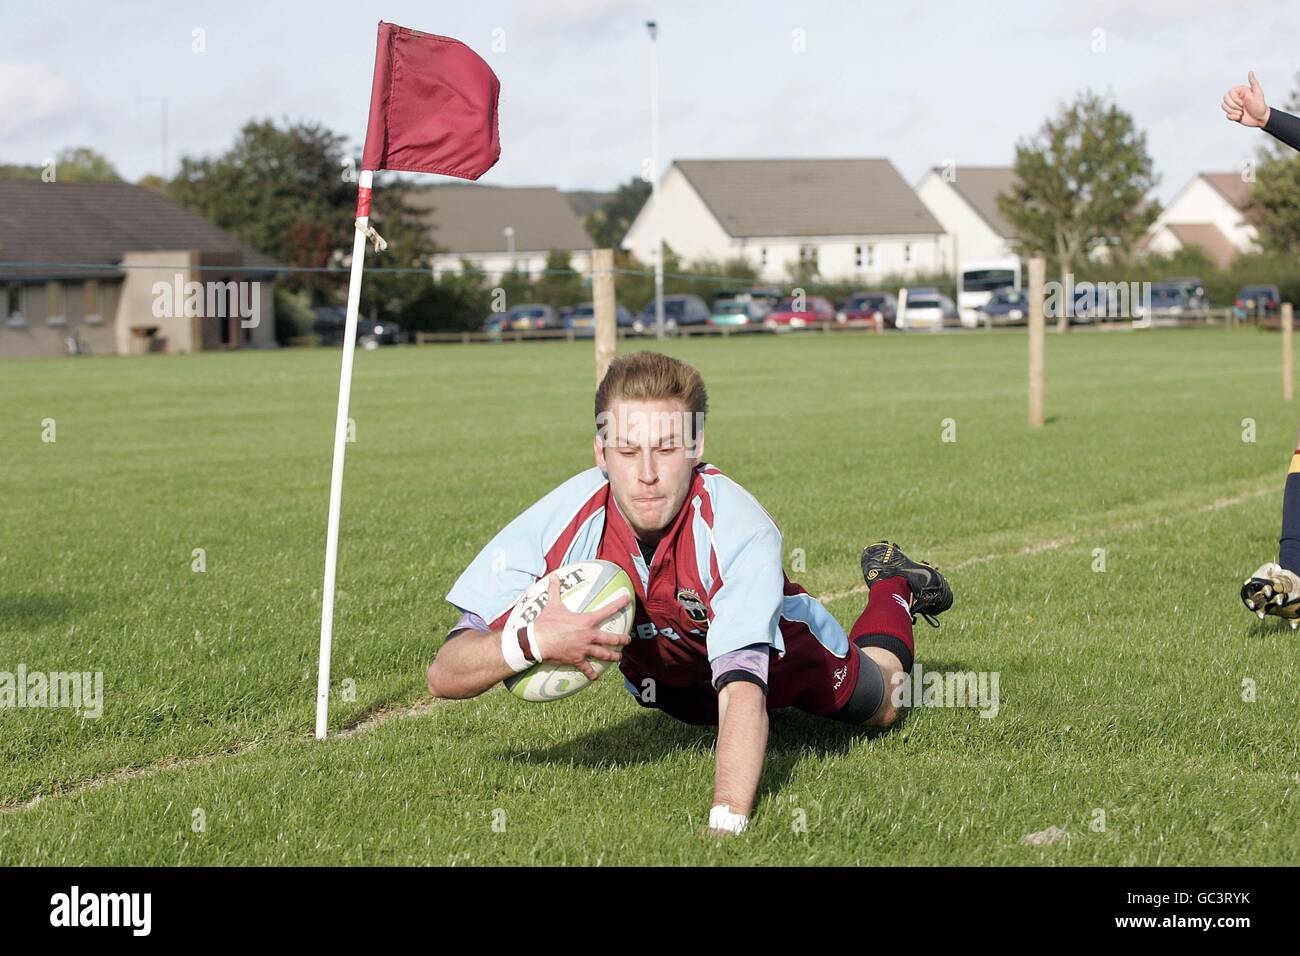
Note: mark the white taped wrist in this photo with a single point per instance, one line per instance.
(519, 648)
(721, 818)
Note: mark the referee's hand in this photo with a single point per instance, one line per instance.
(1245, 104)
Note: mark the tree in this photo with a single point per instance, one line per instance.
(560, 285)
(290, 192)
(77, 164)
(387, 295)
(1080, 187)
(609, 224)
(804, 271)
(280, 190)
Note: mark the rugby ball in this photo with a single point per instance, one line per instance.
(584, 586)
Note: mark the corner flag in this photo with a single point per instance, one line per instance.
(433, 109)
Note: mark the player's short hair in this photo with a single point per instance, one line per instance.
(653, 376)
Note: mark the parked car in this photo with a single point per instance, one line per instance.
(1166, 302)
(678, 310)
(734, 313)
(331, 320)
(792, 314)
(927, 308)
(762, 299)
(869, 308)
(1258, 301)
(1193, 290)
(1005, 307)
(531, 317)
(582, 319)
(1087, 307)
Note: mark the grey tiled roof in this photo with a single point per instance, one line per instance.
(97, 223)
(474, 218)
(808, 197)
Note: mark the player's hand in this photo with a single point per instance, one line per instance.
(1245, 104)
(564, 637)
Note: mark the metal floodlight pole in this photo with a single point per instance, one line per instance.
(656, 223)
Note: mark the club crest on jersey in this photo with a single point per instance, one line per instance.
(693, 604)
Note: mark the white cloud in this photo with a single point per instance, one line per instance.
(33, 98)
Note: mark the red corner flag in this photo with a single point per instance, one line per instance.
(433, 106)
(433, 109)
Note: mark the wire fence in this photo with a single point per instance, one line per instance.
(13, 271)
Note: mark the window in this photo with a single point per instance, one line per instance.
(907, 252)
(93, 309)
(762, 257)
(54, 304)
(871, 256)
(12, 302)
(857, 256)
(808, 256)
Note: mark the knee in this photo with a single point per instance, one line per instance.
(885, 714)
(431, 680)
(892, 675)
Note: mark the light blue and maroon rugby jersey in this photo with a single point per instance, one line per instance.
(716, 582)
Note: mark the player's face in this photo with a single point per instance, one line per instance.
(646, 448)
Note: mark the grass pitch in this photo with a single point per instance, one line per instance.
(1141, 709)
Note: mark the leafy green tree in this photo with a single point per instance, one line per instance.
(290, 192)
(560, 285)
(803, 271)
(609, 224)
(77, 164)
(281, 190)
(1273, 207)
(386, 294)
(1080, 187)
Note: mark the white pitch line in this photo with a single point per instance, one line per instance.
(129, 773)
(424, 707)
(1053, 544)
(177, 763)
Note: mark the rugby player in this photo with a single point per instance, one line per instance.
(721, 636)
(1275, 587)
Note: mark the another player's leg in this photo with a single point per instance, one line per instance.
(1275, 588)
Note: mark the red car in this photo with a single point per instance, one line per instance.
(875, 309)
(785, 315)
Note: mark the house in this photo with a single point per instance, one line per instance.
(851, 219)
(113, 268)
(965, 201)
(1207, 212)
(501, 229)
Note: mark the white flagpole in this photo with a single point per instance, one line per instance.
(340, 445)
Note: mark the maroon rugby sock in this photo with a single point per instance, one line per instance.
(887, 622)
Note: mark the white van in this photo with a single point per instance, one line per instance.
(978, 280)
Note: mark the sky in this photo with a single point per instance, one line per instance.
(920, 84)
